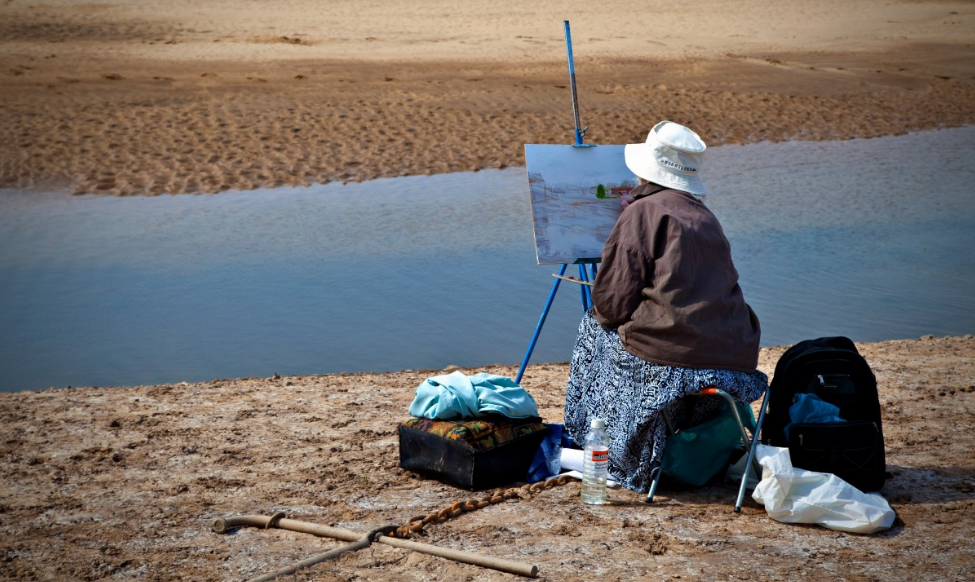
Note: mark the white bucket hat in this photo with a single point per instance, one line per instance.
(671, 157)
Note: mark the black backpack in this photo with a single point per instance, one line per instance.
(832, 369)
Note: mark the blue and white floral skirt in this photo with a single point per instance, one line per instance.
(630, 394)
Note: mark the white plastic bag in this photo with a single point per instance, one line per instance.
(793, 495)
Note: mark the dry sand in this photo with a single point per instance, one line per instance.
(126, 97)
(123, 483)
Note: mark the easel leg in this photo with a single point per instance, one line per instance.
(538, 328)
(584, 289)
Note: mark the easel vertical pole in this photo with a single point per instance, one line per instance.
(580, 133)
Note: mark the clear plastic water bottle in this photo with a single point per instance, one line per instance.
(595, 463)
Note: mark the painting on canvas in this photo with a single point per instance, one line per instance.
(574, 199)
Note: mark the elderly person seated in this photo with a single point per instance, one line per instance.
(668, 316)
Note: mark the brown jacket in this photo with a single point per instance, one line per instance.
(668, 284)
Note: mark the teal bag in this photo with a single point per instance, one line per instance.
(696, 454)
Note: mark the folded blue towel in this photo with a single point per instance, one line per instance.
(456, 395)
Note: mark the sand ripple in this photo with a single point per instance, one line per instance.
(126, 99)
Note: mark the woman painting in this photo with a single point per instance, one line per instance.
(668, 316)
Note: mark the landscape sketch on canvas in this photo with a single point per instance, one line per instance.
(575, 195)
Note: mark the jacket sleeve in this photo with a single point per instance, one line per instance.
(617, 292)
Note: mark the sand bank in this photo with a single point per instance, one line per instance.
(127, 98)
(123, 483)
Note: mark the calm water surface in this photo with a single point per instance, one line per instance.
(872, 239)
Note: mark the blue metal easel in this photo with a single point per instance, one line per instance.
(585, 275)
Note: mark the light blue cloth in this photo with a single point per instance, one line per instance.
(455, 395)
(808, 407)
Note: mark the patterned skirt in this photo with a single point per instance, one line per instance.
(630, 394)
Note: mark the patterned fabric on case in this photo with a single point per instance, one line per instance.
(480, 434)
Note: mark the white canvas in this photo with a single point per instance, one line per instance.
(571, 215)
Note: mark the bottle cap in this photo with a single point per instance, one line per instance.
(598, 424)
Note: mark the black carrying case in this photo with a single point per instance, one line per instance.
(471, 453)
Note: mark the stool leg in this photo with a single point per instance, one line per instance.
(660, 470)
(751, 455)
(653, 485)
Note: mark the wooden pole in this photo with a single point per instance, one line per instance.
(222, 525)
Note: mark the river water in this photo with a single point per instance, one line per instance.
(872, 239)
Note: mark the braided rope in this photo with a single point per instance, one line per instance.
(416, 524)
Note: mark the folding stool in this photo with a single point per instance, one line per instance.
(750, 442)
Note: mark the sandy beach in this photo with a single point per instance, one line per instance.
(125, 98)
(124, 484)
